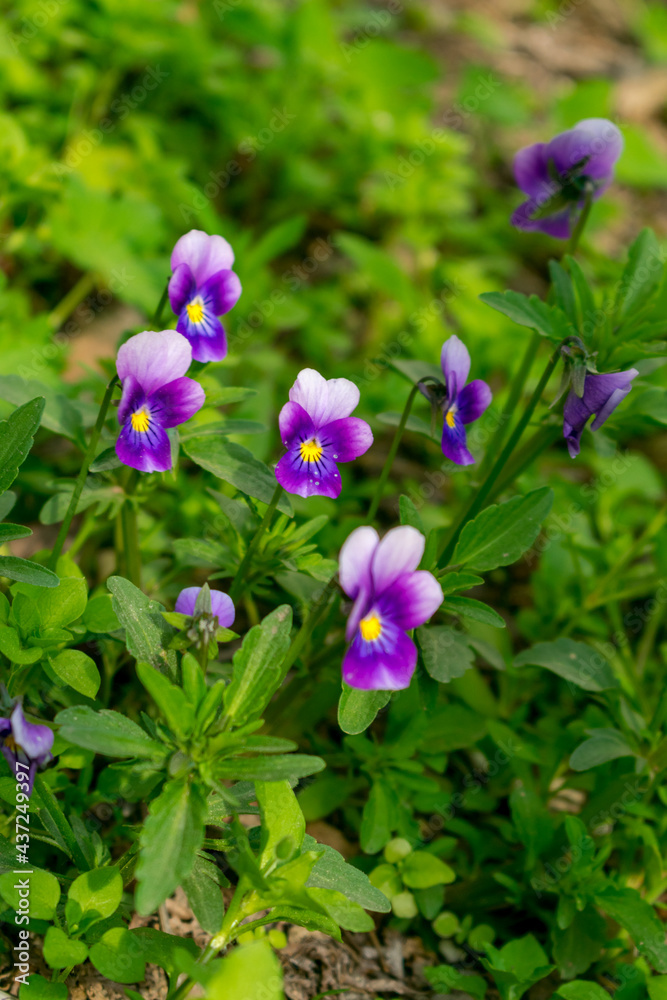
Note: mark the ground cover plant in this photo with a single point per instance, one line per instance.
(333, 563)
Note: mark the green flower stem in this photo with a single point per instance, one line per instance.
(478, 499)
(130, 532)
(83, 473)
(539, 442)
(74, 297)
(516, 390)
(157, 318)
(59, 823)
(386, 469)
(236, 586)
(581, 224)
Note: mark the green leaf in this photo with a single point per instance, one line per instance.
(78, 670)
(517, 965)
(357, 709)
(421, 870)
(38, 988)
(58, 607)
(380, 817)
(581, 989)
(10, 646)
(237, 466)
(532, 822)
(532, 312)
(602, 745)
(283, 825)
(117, 956)
(172, 834)
(26, 571)
(447, 979)
(16, 437)
(409, 514)
(563, 290)
(100, 616)
(44, 893)
(468, 607)
(576, 662)
(251, 971)
(282, 767)
(657, 987)
(348, 915)
(642, 274)
(92, 897)
(257, 665)
(108, 733)
(59, 414)
(331, 871)
(579, 944)
(147, 634)
(445, 653)
(204, 894)
(378, 266)
(60, 952)
(639, 919)
(9, 532)
(503, 532)
(176, 709)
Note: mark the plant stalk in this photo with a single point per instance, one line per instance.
(59, 821)
(235, 588)
(386, 469)
(157, 318)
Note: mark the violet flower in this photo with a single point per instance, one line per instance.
(461, 404)
(602, 394)
(390, 596)
(201, 288)
(25, 742)
(318, 431)
(222, 606)
(151, 367)
(557, 175)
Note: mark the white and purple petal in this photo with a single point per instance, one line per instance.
(176, 402)
(295, 424)
(34, 739)
(383, 664)
(308, 479)
(399, 552)
(354, 573)
(204, 254)
(221, 605)
(411, 600)
(154, 358)
(324, 399)
(346, 439)
(473, 400)
(133, 398)
(221, 292)
(455, 361)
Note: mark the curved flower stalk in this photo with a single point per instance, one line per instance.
(601, 396)
(560, 176)
(27, 743)
(202, 288)
(151, 367)
(318, 431)
(461, 404)
(390, 597)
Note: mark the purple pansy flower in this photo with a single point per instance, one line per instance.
(461, 404)
(222, 605)
(557, 175)
(390, 597)
(602, 394)
(151, 367)
(201, 288)
(25, 742)
(318, 431)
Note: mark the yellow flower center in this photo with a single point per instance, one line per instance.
(311, 451)
(140, 421)
(195, 311)
(371, 628)
(449, 417)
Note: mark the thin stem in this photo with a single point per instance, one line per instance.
(235, 588)
(540, 441)
(130, 533)
(516, 390)
(52, 807)
(581, 224)
(477, 501)
(83, 473)
(74, 297)
(157, 318)
(386, 469)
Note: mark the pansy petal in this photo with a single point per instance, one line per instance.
(473, 401)
(34, 739)
(355, 560)
(455, 361)
(177, 401)
(454, 443)
(324, 399)
(559, 225)
(308, 479)
(147, 451)
(346, 439)
(531, 172)
(221, 291)
(387, 664)
(603, 393)
(154, 358)
(186, 600)
(182, 287)
(596, 140)
(295, 424)
(411, 600)
(132, 399)
(399, 552)
(5, 726)
(223, 606)
(203, 253)
(207, 338)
